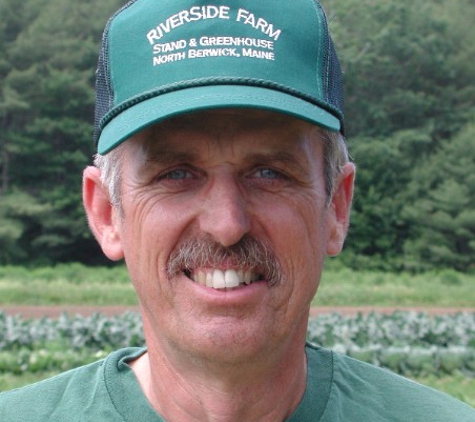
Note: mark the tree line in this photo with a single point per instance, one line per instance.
(410, 107)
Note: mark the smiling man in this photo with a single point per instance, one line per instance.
(224, 223)
(223, 181)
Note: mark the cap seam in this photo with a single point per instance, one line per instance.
(326, 59)
(320, 33)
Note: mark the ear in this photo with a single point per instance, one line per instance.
(339, 212)
(103, 219)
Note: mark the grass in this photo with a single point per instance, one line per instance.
(75, 284)
(344, 287)
(71, 284)
(64, 293)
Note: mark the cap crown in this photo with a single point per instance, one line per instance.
(160, 59)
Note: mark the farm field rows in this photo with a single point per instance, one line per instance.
(447, 364)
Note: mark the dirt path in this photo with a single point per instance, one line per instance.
(55, 311)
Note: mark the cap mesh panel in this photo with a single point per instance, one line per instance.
(104, 93)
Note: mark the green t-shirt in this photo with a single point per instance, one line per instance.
(339, 389)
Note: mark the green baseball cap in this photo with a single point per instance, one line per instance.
(160, 59)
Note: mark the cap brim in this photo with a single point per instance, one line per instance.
(151, 111)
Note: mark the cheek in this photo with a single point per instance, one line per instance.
(298, 230)
(153, 226)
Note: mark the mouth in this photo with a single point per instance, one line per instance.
(223, 279)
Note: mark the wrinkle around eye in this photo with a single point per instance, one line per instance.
(270, 178)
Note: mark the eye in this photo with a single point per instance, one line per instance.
(178, 179)
(267, 178)
(268, 173)
(178, 174)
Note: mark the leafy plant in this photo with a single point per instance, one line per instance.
(407, 343)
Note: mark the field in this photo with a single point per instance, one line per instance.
(75, 284)
(71, 284)
(345, 287)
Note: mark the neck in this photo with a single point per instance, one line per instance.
(269, 388)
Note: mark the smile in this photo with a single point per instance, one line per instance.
(223, 279)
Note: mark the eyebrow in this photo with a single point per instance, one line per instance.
(283, 157)
(165, 156)
(157, 148)
(161, 152)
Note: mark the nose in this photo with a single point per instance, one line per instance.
(224, 214)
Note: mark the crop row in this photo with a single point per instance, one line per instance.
(398, 329)
(96, 332)
(406, 343)
(403, 360)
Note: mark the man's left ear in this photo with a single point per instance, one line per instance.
(102, 216)
(340, 207)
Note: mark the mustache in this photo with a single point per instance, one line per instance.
(249, 254)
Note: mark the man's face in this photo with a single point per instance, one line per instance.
(209, 185)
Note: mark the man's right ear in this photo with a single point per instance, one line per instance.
(103, 219)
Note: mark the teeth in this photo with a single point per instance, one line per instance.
(231, 278)
(247, 278)
(219, 279)
(201, 277)
(209, 279)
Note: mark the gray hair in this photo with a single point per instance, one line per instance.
(111, 174)
(335, 157)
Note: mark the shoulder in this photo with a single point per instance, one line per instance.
(66, 396)
(363, 391)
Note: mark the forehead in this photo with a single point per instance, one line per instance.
(225, 127)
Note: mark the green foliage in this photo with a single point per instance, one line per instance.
(72, 273)
(410, 94)
(401, 62)
(46, 109)
(28, 361)
(66, 284)
(76, 284)
(441, 206)
(96, 333)
(410, 105)
(442, 288)
(19, 212)
(407, 343)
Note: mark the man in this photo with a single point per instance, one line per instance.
(223, 181)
